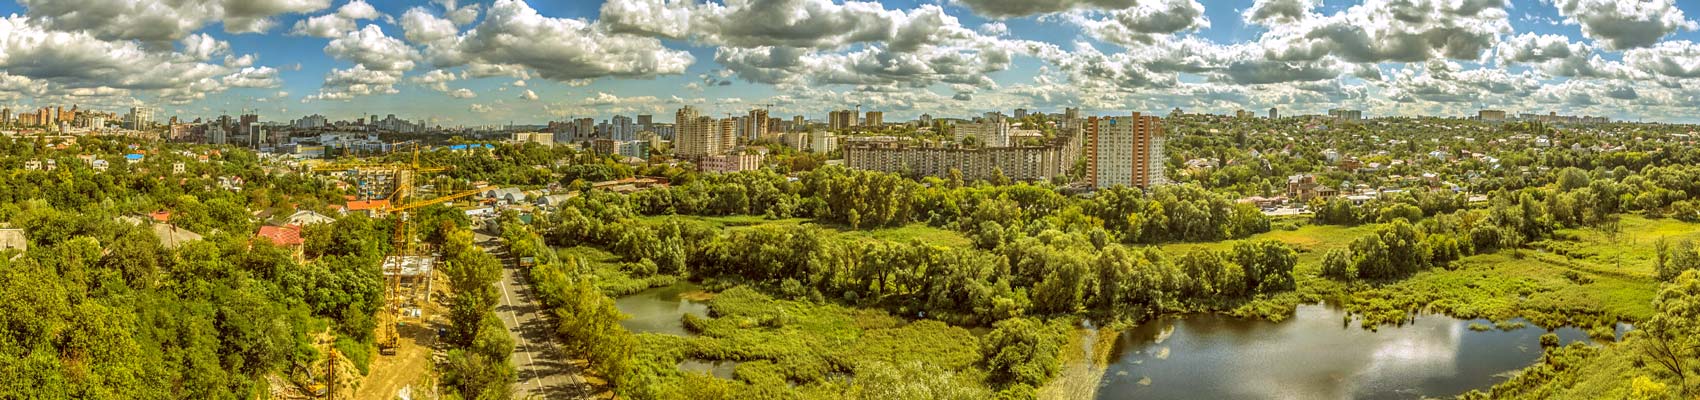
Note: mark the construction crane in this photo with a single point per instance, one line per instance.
(399, 202)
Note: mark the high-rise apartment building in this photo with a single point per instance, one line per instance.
(584, 128)
(621, 128)
(840, 120)
(1341, 114)
(991, 131)
(314, 121)
(698, 136)
(725, 138)
(691, 133)
(756, 126)
(139, 118)
(875, 119)
(1274, 113)
(1126, 151)
(645, 123)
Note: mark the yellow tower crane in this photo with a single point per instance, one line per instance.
(400, 201)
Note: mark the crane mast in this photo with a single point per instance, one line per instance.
(400, 201)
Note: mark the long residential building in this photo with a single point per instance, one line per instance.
(1125, 151)
(1026, 163)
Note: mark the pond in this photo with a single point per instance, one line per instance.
(1315, 355)
(660, 310)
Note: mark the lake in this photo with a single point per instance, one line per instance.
(1315, 355)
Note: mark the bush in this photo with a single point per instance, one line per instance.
(1023, 352)
(1603, 334)
(1337, 264)
(358, 353)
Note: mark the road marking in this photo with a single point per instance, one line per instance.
(529, 362)
(573, 378)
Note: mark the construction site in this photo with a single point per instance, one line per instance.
(414, 309)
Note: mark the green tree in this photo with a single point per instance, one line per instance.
(1671, 338)
(1023, 351)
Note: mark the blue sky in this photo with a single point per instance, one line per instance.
(530, 61)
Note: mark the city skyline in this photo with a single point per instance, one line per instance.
(493, 62)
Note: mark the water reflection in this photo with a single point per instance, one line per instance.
(1314, 356)
(659, 310)
(720, 369)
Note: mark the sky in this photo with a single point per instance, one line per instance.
(480, 63)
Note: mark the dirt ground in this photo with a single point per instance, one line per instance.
(413, 363)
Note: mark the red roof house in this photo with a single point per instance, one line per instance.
(287, 235)
(369, 207)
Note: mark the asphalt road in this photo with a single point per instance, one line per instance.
(543, 371)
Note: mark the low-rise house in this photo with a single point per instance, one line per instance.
(554, 200)
(308, 217)
(287, 237)
(371, 208)
(481, 212)
(160, 216)
(171, 237)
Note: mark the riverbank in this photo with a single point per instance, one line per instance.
(785, 347)
(1083, 364)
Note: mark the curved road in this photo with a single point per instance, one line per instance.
(542, 370)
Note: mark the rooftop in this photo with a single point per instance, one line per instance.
(287, 235)
(368, 205)
(409, 265)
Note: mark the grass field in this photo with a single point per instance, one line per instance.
(1311, 242)
(1500, 287)
(1632, 251)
